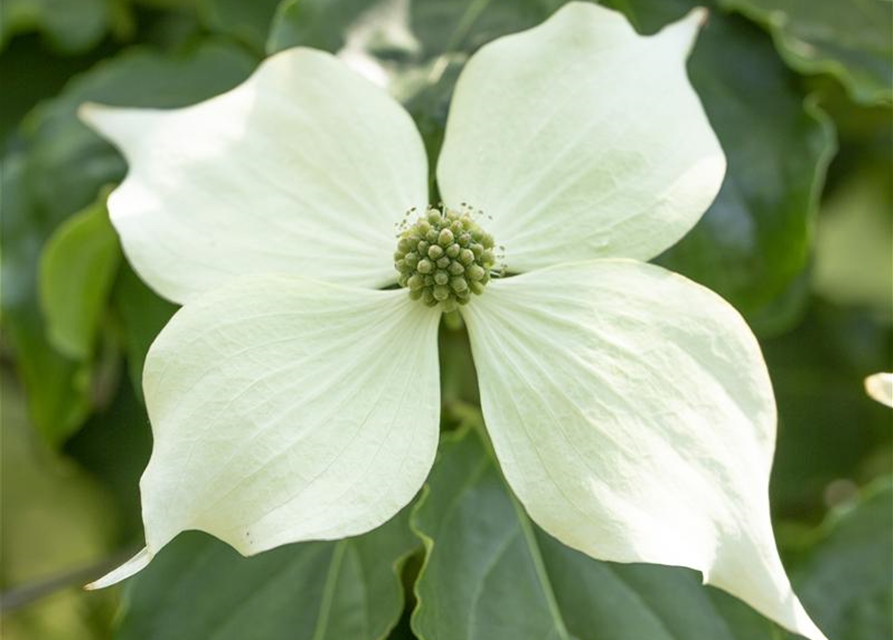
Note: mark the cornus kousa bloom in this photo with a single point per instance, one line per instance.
(295, 396)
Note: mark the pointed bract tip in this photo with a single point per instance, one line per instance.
(879, 386)
(87, 111)
(685, 30)
(699, 16)
(136, 564)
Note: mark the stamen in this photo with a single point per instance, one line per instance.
(444, 257)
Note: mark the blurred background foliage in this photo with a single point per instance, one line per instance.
(800, 240)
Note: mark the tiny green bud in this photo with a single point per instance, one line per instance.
(415, 281)
(453, 250)
(445, 238)
(435, 251)
(425, 266)
(466, 256)
(441, 292)
(441, 277)
(456, 269)
(412, 259)
(475, 272)
(458, 284)
(443, 262)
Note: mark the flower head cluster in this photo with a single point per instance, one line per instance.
(444, 257)
(296, 395)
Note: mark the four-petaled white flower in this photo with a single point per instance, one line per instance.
(295, 396)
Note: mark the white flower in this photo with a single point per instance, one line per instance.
(296, 397)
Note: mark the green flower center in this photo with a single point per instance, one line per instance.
(444, 257)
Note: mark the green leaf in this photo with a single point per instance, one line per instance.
(60, 171)
(57, 387)
(321, 24)
(491, 573)
(464, 26)
(77, 271)
(142, 314)
(70, 26)
(245, 21)
(829, 429)
(855, 549)
(198, 587)
(755, 240)
(849, 41)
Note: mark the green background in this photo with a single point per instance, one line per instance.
(800, 240)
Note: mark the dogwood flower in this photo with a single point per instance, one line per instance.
(295, 396)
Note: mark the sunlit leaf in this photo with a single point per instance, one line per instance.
(61, 524)
(854, 248)
(77, 269)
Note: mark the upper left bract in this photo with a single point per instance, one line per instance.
(303, 169)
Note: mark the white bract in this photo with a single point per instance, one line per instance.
(296, 396)
(880, 387)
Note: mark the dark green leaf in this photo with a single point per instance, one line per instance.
(77, 269)
(855, 549)
(321, 24)
(754, 242)
(57, 388)
(850, 41)
(491, 573)
(465, 25)
(245, 21)
(114, 447)
(829, 429)
(68, 25)
(143, 315)
(199, 587)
